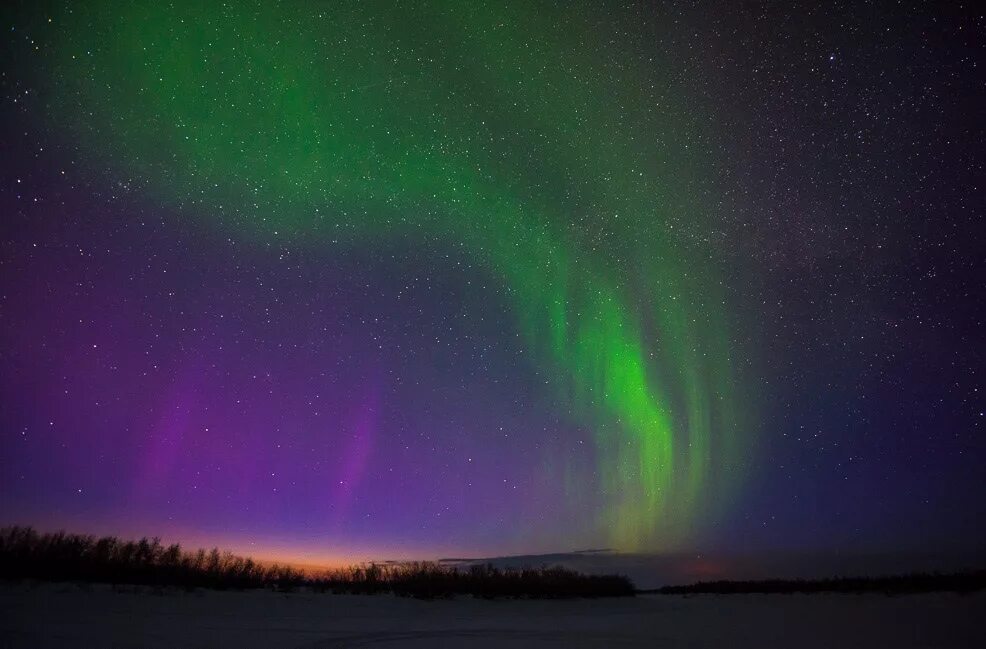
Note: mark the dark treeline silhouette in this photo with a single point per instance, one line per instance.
(429, 580)
(959, 582)
(28, 554)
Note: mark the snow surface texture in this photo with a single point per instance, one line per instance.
(70, 616)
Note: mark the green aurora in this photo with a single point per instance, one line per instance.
(522, 135)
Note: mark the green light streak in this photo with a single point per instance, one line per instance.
(520, 133)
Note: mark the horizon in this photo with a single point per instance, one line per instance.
(647, 570)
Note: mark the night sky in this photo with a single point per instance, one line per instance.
(331, 281)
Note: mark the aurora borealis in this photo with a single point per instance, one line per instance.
(331, 279)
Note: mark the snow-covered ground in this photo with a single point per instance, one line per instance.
(70, 616)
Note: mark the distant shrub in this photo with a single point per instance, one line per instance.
(959, 582)
(28, 554)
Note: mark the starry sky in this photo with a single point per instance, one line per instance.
(335, 281)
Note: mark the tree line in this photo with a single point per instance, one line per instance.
(959, 582)
(59, 556)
